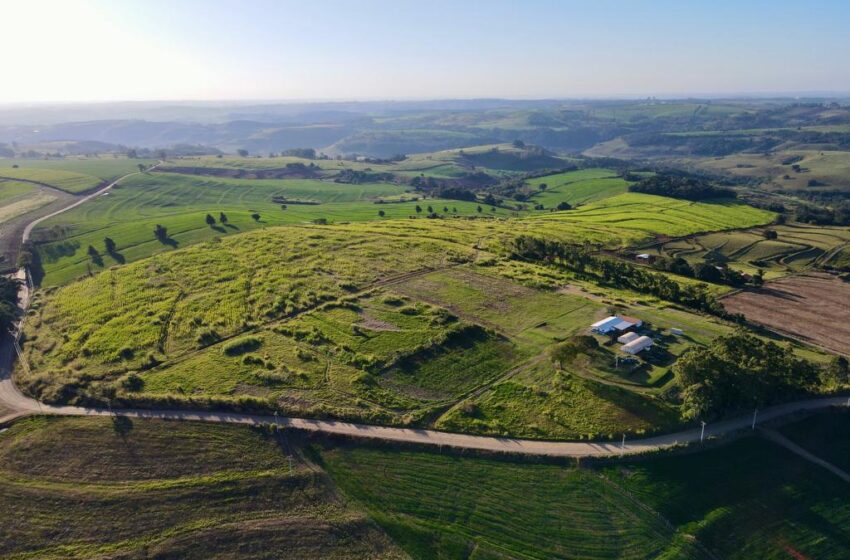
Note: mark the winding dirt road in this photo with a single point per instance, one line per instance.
(11, 399)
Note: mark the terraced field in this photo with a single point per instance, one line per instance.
(797, 247)
(647, 215)
(91, 487)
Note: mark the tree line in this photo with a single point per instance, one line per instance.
(616, 273)
(686, 187)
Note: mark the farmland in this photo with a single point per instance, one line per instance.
(794, 248)
(73, 175)
(811, 307)
(83, 488)
(764, 503)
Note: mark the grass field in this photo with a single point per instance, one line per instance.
(825, 435)
(11, 190)
(748, 499)
(85, 488)
(129, 213)
(577, 187)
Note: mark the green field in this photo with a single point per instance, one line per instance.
(748, 499)
(11, 190)
(97, 488)
(130, 211)
(576, 187)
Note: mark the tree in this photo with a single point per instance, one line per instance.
(255, 217)
(222, 217)
(445, 209)
(564, 206)
(109, 244)
(542, 187)
(381, 213)
(210, 220)
(93, 253)
(242, 152)
(418, 209)
(519, 144)
(480, 209)
(430, 210)
(141, 167)
(132, 154)
(770, 234)
(161, 233)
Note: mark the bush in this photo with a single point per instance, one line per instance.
(241, 345)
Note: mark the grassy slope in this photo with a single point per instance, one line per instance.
(749, 499)
(11, 190)
(79, 488)
(825, 435)
(577, 187)
(180, 203)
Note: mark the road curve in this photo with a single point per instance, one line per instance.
(14, 404)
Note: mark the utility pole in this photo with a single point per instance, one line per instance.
(702, 433)
(755, 415)
(623, 444)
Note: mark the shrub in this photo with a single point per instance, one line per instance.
(241, 345)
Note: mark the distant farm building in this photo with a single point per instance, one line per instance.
(637, 345)
(615, 323)
(628, 337)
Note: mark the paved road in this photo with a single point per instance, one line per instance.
(21, 405)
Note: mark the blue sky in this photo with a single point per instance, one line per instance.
(79, 50)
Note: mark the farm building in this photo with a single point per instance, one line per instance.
(615, 323)
(628, 337)
(637, 345)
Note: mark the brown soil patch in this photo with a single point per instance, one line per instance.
(812, 307)
(368, 322)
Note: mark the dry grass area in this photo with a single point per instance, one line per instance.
(813, 307)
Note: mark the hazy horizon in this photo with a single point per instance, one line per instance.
(272, 52)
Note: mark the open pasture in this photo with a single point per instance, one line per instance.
(811, 307)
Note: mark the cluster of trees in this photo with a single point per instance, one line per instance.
(8, 302)
(306, 153)
(740, 371)
(705, 271)
(681, 186)
(838, 214)
(616, 273)
(357, 177)
(222, 217)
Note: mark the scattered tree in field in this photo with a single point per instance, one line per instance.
(430, 210)
(141, 167)
(255, 217)
(454, 210)
(418, 209)
(95, 255)
(445, 209)
(283, 206)
(109, 244)
(132, 154)
(210, 220)
(479, 209)
(837, 372)
(242, 152)
(542, 187)
(381, 213)
(162, 155)
(161, 233)
(770, 234)
(564, 206)
(222, 217)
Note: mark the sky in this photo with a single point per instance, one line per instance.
(97, 50)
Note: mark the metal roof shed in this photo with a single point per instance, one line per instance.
(637, 345)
